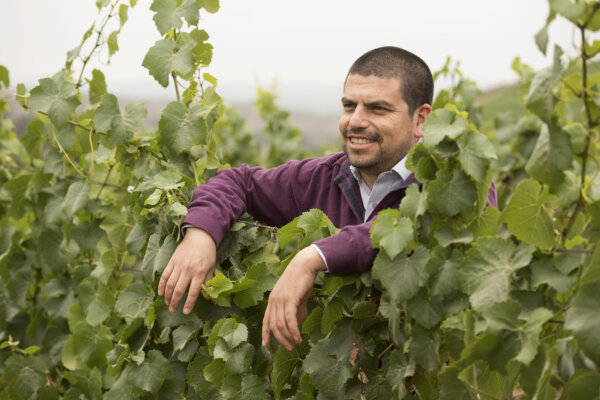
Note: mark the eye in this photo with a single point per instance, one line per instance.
(379, 109)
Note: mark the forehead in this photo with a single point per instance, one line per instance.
(371, 88)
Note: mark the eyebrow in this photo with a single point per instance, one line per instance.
(376, 103)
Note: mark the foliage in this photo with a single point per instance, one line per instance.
(464, 301)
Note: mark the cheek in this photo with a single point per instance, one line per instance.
(342, 124)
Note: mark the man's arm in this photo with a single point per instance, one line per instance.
(274, 196)
(351, 250)
(192, 263)
(287, 301)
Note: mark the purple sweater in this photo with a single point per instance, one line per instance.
(276, 196)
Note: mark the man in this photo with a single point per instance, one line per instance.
(387, 97)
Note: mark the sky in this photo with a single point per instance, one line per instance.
(303, 47)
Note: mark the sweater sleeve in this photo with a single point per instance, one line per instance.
(351, 250)
(273, 196)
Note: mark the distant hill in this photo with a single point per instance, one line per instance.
(500, 99)
(318, 130)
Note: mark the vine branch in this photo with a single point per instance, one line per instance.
(97, 44)
(75, 124)
(174, 75)
(105, 181)
(62, 150)
(591, 124)
(37, 171)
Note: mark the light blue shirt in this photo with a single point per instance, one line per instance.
(385, 183)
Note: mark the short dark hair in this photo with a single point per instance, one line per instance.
(416, 82)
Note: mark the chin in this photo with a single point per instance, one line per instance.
(360, 162)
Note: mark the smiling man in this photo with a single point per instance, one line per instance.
(387, 96)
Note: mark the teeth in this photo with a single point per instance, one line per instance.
(360, 140)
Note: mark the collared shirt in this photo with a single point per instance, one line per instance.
(385, 183)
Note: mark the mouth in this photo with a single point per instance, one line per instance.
(360, 140)
(361, 137)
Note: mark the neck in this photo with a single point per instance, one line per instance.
(368, 177)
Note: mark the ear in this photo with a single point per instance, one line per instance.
(419, 117)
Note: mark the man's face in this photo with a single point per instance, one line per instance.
(375, 127)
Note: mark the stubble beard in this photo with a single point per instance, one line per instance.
(377, 163)
(358, 161)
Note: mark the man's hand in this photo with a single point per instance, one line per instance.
(193, 264)
(287, 301)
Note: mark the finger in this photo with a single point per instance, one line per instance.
(301, 314)
(179, 292)
(292, 322)
(170, 285)
(164, 278)
(203, 287)
(193, 293)
(280, 330)
(266, 332)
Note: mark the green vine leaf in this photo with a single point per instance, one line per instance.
(97, 86)
(551, 156)
(181, 127)
(157, 255)
(23, 376)
(442, 124)
(4, 79)
(248, 387)
(390, 234)
(476, 151)
(134, 301)
(120, 127)
(581, 317)
(486, 271)
(55, 96)
(96, 304)
(504, 316)
(450, 193)
(284, 364)
(525, 215)
(328, 373)
(166, 56)
(195, 376)
(401, 276)
(170, 13)
(212, 6)
(582, 385)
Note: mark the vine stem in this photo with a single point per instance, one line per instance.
(558, 378)
(271, 228)
(97, 44)
(75, 124)
(105, 181)
(93, 172)
(591, 124)
(62, 150)
(571, 88)
(37, 171)
(174, 75)
(545, 210)
(386, 350)
(577, 251)
(489, 396)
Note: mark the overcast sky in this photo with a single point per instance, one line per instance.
(305, 46)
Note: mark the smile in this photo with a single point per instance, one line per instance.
(355, 140)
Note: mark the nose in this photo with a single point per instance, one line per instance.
(358, 118)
